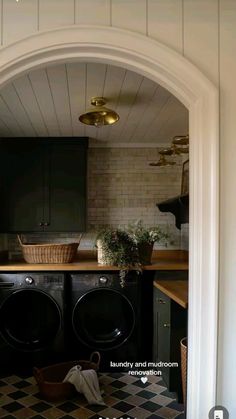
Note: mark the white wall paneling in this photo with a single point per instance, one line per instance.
(159, 100)
(76, 75)
(112, 87)
(42, 91)
(55, 13)
(5, 129)
(187, 26)
(191, 87)
(14, 103)
(136, 113)
(174, 121)
(201, 35)
(30, 104)
(1, 22)
(123, 12)
(20, 19)
(59, 94)
(165, 22)
(58, 81)
(93, 12)
(94, 84)
(9, 120)
(227, 306)
(168, 111)
(127, 97)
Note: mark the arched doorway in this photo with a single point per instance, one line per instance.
(189, 85)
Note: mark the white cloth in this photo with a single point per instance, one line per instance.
(85, 382)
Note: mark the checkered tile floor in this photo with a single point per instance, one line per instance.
(125, 397)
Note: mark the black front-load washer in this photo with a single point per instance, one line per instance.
(31, 319)
(106, 317)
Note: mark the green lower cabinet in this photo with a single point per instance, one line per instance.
(169, 327)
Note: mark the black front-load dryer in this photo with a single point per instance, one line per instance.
(106, 317)
(31, 319)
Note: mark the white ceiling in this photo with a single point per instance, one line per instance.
(47, 102)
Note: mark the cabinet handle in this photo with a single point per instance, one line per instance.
(40, 224)
(46, 224)
(166, 324)
(161, 301)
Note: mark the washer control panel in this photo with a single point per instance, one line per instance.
(44, 280)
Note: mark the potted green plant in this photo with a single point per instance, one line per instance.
(145, 237)
(117, 247)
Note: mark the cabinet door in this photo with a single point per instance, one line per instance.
(65, 206)
(170, 326)
(164, 311)
(155, 324)
(22, 187)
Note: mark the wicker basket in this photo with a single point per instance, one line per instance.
(50, 379)
(184, 354)
(48, 253)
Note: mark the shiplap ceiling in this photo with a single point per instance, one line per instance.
(47, 102)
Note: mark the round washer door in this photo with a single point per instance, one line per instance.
(103, 319)
(29, 319)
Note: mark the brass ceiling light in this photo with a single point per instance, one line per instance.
(166, 152)
(181, 140)
(174, 150)
(99, 115)
(179, 145)
(162, 162)
(179, 149)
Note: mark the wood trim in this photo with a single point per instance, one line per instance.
(92, 265)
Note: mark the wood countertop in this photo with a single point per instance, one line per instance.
(176, 289)
(162, 260)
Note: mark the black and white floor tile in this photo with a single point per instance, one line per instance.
(125, 397)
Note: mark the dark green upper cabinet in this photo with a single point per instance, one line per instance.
(22, 187)
(66, 209)
(43, 185)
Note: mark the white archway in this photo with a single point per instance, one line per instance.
(189, 85)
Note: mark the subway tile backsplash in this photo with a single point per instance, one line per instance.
(122, 188)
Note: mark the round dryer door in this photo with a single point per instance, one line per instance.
(103, 319)
(29, 319)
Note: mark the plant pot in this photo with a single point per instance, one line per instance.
(145, 253)
(103, 258)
